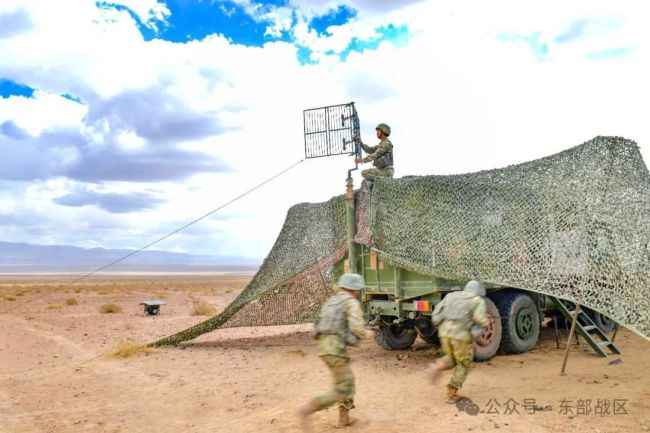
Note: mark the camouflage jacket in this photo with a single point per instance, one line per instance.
(332, 344)
(381, 155)
(457, 313)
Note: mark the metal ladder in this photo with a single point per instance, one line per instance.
(586, 328)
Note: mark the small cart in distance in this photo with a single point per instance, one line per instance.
(152, 307)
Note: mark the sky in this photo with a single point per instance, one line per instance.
(122, 121)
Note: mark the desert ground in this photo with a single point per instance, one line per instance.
(57, 373)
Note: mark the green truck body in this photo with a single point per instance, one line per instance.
(399, 302)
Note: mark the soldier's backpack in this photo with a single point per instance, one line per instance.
(333, 320)
(458, 306)
(386, 159)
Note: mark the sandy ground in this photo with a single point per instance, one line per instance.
(54, 378)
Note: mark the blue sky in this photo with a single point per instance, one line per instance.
(9, 88)
(189, 21)
(122, 120)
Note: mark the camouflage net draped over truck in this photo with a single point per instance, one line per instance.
(294, 279)
(575, 225)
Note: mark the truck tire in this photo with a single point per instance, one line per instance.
(519, 320)
(487, 344)
(431, 339)
(603, 322)
(395, 337)
(426, 331)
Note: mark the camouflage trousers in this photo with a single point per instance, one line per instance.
(459, 356)
(372, 173)
(343, 390)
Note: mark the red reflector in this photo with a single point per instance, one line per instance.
(421, 305)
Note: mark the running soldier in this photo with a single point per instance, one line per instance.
(460, 318)
(339, 325)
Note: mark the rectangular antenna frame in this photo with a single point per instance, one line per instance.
(331, 130)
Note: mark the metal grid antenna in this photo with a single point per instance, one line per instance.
(331, 131)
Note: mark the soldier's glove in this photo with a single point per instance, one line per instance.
(476, 331)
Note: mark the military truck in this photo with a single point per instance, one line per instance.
(399, 303)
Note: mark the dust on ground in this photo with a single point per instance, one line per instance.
(54, 378)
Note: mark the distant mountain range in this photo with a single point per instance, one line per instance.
(20, 257)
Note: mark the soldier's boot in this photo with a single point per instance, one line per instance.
(344, 417)
(452, 394)
(303, 414)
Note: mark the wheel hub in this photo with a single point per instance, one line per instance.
(486, 337)
(525, 323)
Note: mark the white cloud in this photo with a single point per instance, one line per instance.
(43, 111)
(458, 98)
(149, 11)
(130, 141)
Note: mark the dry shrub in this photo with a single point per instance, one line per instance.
(54, 307)
(294, 352)
(126, 349)
(71, 301)
(202, 308)
(110, 308)
(9, 297)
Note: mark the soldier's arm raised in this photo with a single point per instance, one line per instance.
(377, 151)
(368, 149)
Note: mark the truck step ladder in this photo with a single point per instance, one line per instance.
(586, 328)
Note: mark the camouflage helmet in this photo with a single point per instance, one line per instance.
(475, 287)
(383, 128)
(351, 282)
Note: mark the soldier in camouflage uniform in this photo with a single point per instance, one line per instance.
(380, 155)
(340, 324)
(460, 318)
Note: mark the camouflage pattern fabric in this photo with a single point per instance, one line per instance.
(455, 315)
(380, 155)
(343, 390)
(373, 173)
(458, 354)
(575, 225)
(334, 344)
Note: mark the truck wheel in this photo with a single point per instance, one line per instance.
(427, 331)
(603, 322)
(519, 319)
(487, 344)
(395, 337)
(431, 339)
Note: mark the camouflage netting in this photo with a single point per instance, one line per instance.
(311, 241)
(575, 225)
